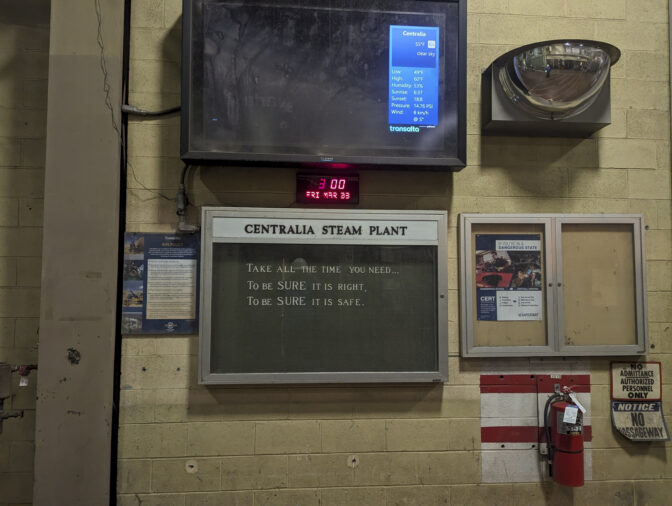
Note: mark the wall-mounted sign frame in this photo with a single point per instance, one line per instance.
(636, 401)
(552, 285)
(160, 283)
(321, 296)
(636, 381)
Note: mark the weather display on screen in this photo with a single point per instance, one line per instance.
(414, 78)
(291, 78)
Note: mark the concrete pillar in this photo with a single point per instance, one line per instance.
(79, 271)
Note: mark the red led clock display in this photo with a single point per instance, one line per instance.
(325, 189)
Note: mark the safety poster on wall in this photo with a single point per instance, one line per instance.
(508, 277)
(160, 283)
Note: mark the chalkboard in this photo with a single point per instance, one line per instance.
(327, 306)
(283, 310)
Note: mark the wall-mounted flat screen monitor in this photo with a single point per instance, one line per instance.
(331, 84)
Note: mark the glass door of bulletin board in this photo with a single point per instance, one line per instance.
(512, 306)
(600, 290)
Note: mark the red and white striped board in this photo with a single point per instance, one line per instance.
(512, 419)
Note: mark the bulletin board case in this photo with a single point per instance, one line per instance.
(321, 296)
(552, 285)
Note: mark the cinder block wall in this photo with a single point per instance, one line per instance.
(411, 445)
(24, 61)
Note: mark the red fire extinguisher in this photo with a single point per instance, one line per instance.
(564, 440)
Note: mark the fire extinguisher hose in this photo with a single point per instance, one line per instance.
(547, 428)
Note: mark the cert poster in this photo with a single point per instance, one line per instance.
(160, 284)
(509, 277)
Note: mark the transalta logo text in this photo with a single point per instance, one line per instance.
(413, 129)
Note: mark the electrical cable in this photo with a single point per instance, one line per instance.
(131, 109)
(182, 203)
(184, 173)
(182, 198)
(107, 89)
(103, 66)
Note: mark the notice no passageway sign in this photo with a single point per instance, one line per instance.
(640, 421)
(636, 401)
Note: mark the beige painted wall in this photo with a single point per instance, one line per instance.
(24, 61)
(417, 444)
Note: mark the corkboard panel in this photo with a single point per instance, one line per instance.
(599, 297)
(509, 333)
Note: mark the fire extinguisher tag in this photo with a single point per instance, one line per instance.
(571, 412)
(576, 401)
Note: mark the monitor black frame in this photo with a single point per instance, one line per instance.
(241, 158)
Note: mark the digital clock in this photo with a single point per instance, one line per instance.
(326, 189)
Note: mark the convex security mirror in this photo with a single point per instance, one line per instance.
(555, 80)
(550, 88)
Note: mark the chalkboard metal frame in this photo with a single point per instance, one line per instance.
(553, 284)
(210, 237)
